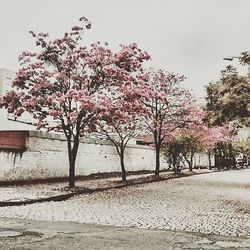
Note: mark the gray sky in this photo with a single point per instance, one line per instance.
(189, 37)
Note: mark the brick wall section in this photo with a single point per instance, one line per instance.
(13, 140)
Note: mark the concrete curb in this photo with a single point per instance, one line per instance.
(67, 196)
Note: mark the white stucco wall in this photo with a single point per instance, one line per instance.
(46, 157)
(201, 160)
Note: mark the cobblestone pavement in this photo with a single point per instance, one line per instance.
(215, 203)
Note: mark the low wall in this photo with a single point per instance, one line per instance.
(46, 157)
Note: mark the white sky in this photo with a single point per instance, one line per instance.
(189, 37)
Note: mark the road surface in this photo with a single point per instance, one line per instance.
(177, 211)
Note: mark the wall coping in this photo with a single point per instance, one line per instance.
(61, 137)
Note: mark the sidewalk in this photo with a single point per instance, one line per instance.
(58, 191)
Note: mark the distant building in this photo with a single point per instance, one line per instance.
(145, 140)
(6, 78)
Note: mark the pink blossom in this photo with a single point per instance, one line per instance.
(53, 113)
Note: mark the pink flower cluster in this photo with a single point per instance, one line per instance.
(82, 88)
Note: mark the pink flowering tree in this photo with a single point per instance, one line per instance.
(212, 136)
(63, 85)
(183, 143)
(191, 141)
(120, 119)
(172, 151)
(198, 137)
(168, 107)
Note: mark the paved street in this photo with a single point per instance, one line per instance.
(215, 203)
(48, 235)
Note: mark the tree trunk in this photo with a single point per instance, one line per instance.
(157, 160)
(124, 179)
(120, 148)
(190, 166)
(72, 152)
(189, 162)
(231, 155)
(209, 160)
(71, 173)
(219, 166)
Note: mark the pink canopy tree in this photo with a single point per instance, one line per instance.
(212, 136)
(63, 85)
(120, 119)
(198, 137)
(168, 107)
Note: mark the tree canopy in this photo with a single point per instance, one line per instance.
(64, 84)
(229, 98)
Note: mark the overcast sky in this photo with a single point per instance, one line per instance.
(189, 37)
